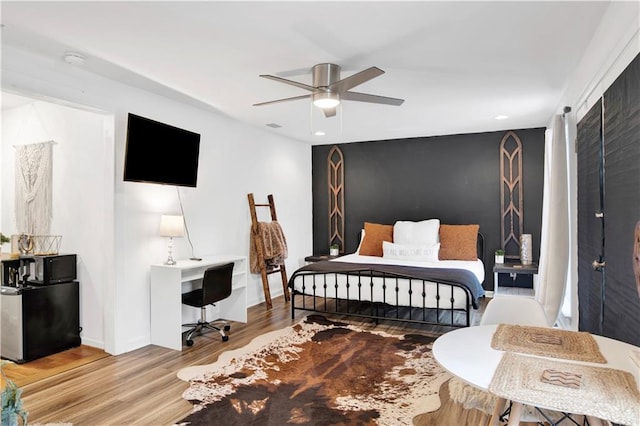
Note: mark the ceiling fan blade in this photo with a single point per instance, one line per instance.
(295, 98)
(356, 79)
(363, 97)
(291, 82)
(329, 112)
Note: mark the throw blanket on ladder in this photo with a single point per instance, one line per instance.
(273, 243)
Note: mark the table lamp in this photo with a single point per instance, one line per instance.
(171, 226)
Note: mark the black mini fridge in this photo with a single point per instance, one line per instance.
(39, 320)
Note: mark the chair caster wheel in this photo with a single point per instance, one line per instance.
(225, 338)
(189, 342)
(227, 327)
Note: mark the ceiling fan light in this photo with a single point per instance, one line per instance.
(326, 100)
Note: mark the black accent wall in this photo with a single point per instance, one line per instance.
(454, 178)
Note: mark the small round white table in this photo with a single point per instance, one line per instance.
(467, 354)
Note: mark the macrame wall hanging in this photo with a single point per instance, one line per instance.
(33, 188)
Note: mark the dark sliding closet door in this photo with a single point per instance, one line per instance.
(590, 232)
(622, 164)
(620, 168)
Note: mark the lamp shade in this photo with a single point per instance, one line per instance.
(171, 226)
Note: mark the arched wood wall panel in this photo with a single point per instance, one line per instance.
(335, 179)
(511, 209)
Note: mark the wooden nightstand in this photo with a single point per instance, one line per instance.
(514, 269)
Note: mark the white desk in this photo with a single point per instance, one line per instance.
(467, 354)
(168, 282)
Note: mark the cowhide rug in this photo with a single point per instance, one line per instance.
(317, 372)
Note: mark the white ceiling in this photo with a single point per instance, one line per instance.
(457, 64)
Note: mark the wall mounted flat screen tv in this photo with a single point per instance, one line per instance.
(159, 153)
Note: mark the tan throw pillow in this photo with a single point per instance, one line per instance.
(374, 235)
(458, 242)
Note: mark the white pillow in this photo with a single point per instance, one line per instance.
(423, 233)
(410, 252)
(361, 238)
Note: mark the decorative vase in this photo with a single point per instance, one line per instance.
(526, 255)
(499, 258)
(334, 251)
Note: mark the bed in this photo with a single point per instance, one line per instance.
(412, 284)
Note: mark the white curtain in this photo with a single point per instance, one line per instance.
(33, 188)
(555, 236)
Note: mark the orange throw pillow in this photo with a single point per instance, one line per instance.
(374, 235)
(458, 242)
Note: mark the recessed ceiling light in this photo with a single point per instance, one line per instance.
(319, 133)
(502, 117)
(74, 58)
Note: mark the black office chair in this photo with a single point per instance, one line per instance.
(216, 286)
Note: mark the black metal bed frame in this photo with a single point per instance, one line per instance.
(315, 297)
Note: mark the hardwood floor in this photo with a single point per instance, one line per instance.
(32, 371)
(141, 387)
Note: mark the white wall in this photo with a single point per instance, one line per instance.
(78, 169)
(234, 159)
(613, 46)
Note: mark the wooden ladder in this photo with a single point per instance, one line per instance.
(264, 271)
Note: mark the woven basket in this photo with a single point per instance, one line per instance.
(46, 244)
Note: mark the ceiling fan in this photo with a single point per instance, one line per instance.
(329, 90)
